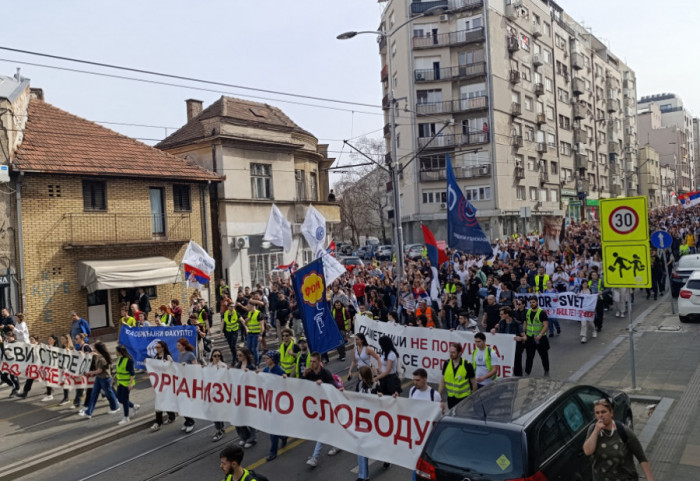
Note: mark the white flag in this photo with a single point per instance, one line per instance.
(314, 229)
(332, 269)
(278, 230)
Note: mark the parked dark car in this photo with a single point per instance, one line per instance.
(518, 430)
(364, 252)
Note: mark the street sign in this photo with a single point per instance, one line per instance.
(627, 265)
(624, 219)
(4, 280)
(661, 239)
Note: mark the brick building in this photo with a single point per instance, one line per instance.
(99, 215)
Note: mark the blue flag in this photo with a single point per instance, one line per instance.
(322, 333)
(463, 230)
(141, 341)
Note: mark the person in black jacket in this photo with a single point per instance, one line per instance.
(144, 303)
(508, 325)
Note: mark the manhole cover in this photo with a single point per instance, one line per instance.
(669, 328)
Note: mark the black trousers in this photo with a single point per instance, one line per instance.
(599, 313)
(518, 364)
(542, 348)
(232, 340)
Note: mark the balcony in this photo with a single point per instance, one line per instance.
(516, 109)
(381, 40)
(542, 147)
(385, 102)
(88, 229)
(451, 39)
(536, 30)
(519, 173)
(385, 73)
(450, 106)
(387, 129)
(579, 111)
(579, 86)
(536, 59)
(539, 89)
(544, 177)
(514, 77)
(451, 140)
(577, 62)
(517, 141)
(468, 172)
(421, 7)
(513, 44)
(612, 105)
(580, 136)
(540, 118)
(580, 161)
(459, 72)
(614, 148)
(457, 5)
(583, 185)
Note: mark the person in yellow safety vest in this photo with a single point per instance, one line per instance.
(450, 286)
(302, 358)
(231, 458)
(684, 249)
(126, 319)
(541, 280)
(165, 317)
(125, 380)
(457, 377)
(536, 326)
(255, 330)
(230, 327)
(484, 362)
(342, 320)
(424, 252)
(286, 351)
(203, 315)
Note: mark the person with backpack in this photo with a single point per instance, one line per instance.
(103, 381)
(613, 447)
(457, 377)
(423, 392)
(231, 458)
(484, 361)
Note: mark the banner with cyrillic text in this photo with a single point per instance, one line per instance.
(430, 348)
(384, 428)
(141, 341)
(566, 305)
(54, 366)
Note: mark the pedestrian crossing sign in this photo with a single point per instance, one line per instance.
(627, 265)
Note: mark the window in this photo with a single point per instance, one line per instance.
(261, 181)
(528, 103)
(427, 197)
(551, 139)
(393, 49)
(433, 162)
(426, 130)
(477, 193)
(547, 29)
(525, 73)
(529, 134)
(554, 168)
(520, 192)
(562, 95)
(540, 107)
(548, 84)
(533, 193)
(429, 96)
(314, 186)
(181, 198)
(531, 164)
(554, 195)
(564, 148)
(547, 55)
(543, 195)
(94, 195)
(559, 41)
(564, 122)
(299, 178)
(525, 42)
(434, 197)
(550, 112)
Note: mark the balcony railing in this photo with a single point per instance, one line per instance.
(450, 39)
(450, 140)
(466, 172)
(456, 5)
(421, 7)
(95, 229)
(450, 73)
(577, 62)
(449, 106)
(579, 86)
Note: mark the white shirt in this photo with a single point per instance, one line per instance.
(21, 332)
(390, 357)
(481, 369)
(424, 395)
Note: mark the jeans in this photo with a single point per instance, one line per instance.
(274, 443)
(362, 467)
(123, 397)
(232, 340)
(553, 322)
(252, 343)
(317, 450)
(102, 384)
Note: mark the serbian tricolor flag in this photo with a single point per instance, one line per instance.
(198, 265)
(436, 255)
(331, 248)
(287, 267)
(690, 199)
(194, 275)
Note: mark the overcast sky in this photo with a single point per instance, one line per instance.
(282, 46)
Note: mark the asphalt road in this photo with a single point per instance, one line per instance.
(29, 427)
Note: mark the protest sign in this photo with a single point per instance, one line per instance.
(429, 348)
(141, 341)
(566, 305)
(54, 366)
(384, 428)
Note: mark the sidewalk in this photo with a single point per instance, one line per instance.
(667, 359)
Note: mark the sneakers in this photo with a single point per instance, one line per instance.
(125, 420)
(84, 414)
(242, 443)
(168, 421)
(188, 429)
(546, 374)
(551, 334)
(82, 409)
(132, 413)
(584, 339)
(595, 333)
(48, 398)
(114, 411)
(313, 462)
(13, 393)
(155, 427)
(63, 401)
(249, 444)
(617, 314)
(333, 451)
(218, 435)
(22, 395)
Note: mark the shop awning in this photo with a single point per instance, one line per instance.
(125, 273)
(592, 202)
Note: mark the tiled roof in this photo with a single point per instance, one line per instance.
(235, 110)
(58, 142)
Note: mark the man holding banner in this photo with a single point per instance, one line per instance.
(457, 377)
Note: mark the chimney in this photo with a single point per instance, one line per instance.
(194, 108)
(36, 93)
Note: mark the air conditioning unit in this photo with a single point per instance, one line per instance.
(484, 170)
(241, 242)
(444, 17)
(4, 174)
(443, 205)
(517, 3)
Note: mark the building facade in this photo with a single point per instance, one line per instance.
(650, 176)
(267, 159)
(100, 215)
(667, 126)
(533, 110)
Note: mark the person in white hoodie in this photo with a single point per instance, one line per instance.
(20, 328)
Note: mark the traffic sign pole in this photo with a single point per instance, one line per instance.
(631, 332)
(668, 285)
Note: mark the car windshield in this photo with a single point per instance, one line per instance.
(479, 450)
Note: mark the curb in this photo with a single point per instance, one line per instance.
(18, 469)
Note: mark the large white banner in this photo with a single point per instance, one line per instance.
(384, 428)
(429, 348)
(54, 366)
(566, 305)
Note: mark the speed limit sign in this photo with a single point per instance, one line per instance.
(624, 219)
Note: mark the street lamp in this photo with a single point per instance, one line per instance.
(394, 163)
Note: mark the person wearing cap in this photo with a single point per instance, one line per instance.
(272, 366)
(302, 357)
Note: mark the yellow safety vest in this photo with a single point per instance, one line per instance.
(286, 357)
(345, 318)
(164, 319)
(230, 321)
(253, 323)
(450, 288)
(684, 249)
(308, 362)
(535, 327)
(487, 355)
(201, 319)
(600, 287)
(129, 321)
(544, 282)
(246, 475)
(457, 383)
(123, 376)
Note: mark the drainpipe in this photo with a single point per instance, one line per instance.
(20, 243)
(203, 191)
(492, 142)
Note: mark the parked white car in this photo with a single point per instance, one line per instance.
(689, 298)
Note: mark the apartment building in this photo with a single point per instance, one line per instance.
(650, 177)
(533, 110)
(667, 126)
(266, 158)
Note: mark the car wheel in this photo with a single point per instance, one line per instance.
(628, 422)
(684, 318)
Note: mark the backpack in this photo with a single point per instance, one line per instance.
(253, 476)
(432, 395)
(621, 429)
(337, 382)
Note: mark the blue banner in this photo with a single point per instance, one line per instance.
(322, 333)
(463, 230)
(141, 341)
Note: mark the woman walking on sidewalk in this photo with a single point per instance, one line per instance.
(162, 354)
(103, 381)
(186, 356)
(125, 380)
